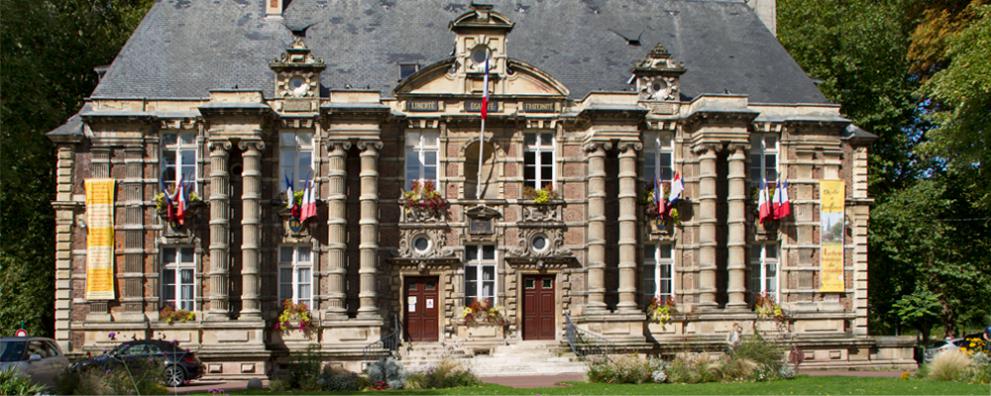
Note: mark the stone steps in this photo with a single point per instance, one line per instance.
(523, 358)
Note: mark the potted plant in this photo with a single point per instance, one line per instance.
(423, 202)
(294, 316)
(660, 310)
(767, 309)
(171, 315)
(540, 196)
(482, 319)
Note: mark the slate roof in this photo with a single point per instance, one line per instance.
(183, 48)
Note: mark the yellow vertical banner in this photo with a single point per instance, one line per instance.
(100, 239)
(832, 198)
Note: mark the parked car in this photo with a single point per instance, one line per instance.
(37, 357)
(934, 348)
(181, 365)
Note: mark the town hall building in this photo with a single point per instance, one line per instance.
(259, 178)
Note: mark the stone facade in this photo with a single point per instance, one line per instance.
(365, 242)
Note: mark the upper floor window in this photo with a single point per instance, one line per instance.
(480, 274)
(538, 159)
(407, 69)
(657, 273)
(296, 274)
(658, 157)
(295, 159)
(763, 158)
(421, 157)
(762, 270)
(178, 158)
(179, 278)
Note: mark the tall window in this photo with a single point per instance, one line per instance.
(657, 272)
(658, 157)
(179, 158)
(480, 274)
(295, 159)
(763, 158)
(538, 159)
(421, 157)
(296, 274)
(178, 278)
(762, 270)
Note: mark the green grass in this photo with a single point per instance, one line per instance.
(799, 386)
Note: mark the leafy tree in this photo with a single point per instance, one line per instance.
(920, 309)
(48, 49)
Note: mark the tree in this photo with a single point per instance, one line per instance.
(48, 49)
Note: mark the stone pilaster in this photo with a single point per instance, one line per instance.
(64, 219)
(596, 265)
(736, 219)
(132, 198)
(628, 226)
(368, 247)
(219, 231)
(707, 226)
(337, 230)
(251, 229)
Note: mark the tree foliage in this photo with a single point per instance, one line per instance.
(48, 49)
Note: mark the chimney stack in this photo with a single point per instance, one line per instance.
(273, 9)
(767, 12)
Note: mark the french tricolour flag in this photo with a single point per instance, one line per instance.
(677, 187)
(763, 203)
(309, 202)
(181, 201)
(485, 91)
(782, 205)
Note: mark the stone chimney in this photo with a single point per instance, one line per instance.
(273, 9)
(767, 12)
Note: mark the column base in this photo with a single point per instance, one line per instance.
(737, 307)
(216, 316)
(352, 336)
(622, 330)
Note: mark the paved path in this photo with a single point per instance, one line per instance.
(203, 386)
(853, 373)
(534, 381)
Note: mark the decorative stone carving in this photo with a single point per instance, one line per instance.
(297, 72)
(540, 243)
(657, 76)
(424, 243)
(541, 213)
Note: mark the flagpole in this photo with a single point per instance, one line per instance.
(481, 134)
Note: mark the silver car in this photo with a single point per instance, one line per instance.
(37, 357)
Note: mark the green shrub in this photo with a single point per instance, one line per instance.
(137, 377)
(388, 371)
(689, 369)
(334, 379)
(980, 368)
(446, 374)
(950, 365)
(630, 369)
(303, 373)
(768, 357)
(12, 382)
(736, 368)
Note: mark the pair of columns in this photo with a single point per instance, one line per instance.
(251, 229)
(736, 221)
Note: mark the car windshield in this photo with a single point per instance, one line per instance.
(12, 351)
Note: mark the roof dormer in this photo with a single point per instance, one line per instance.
(657, 75)
(297, 71)
(480, 35)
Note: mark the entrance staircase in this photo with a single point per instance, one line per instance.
(522, 358)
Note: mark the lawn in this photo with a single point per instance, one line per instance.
(799, 386)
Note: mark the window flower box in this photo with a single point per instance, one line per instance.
(423, 204)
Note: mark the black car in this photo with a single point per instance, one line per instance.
(181, 365)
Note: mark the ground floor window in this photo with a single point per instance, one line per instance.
(480, 274)
(657, 279)
(178, 278)
(296, 274)
(762, 270)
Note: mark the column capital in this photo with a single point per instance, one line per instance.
(625, 146)
(741, 148)
(593, 146)
(251, 145)
(369, 145)
(335, 144)
(705, 148)
(219, 145)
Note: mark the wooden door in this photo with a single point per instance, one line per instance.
(421, 304)
(538, 307)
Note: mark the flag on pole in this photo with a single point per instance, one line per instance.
(485, 91)
(169, 205)
(783, 208)
(763, 203)
(309, 202)
(776, 199)
(677, 187)
(658, 199)
(180, 198)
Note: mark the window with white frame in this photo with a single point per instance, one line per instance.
(762, 270)
(421, 157)
(178, 158)
(538, 159)
(179, 278)
(480, 274)
(296, 274)
(295, 159)
(657, 272)
(658, 157)
(763, 158)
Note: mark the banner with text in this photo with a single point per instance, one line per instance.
(832, 197)
(100, 239)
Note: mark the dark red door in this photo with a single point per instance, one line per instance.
(421, 305)
(538, 307)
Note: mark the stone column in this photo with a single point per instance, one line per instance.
(219, 231)
(707, 226)
(132, 196)
(596, 265)
(64, 224)
(628, 226)
(251, 229)
(337, 229)
(368, 247)
(737, 229)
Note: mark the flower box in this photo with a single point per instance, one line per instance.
(423, 204)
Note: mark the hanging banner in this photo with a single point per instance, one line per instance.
(832, 196)
(99, 239)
